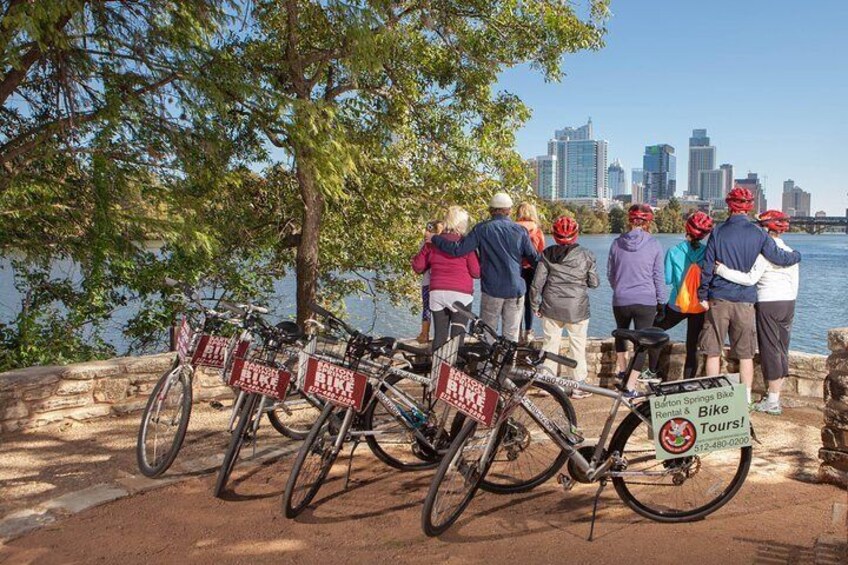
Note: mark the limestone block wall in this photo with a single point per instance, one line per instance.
(40, 395)
(834, 451)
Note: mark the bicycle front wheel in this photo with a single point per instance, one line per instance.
(164, 422)
(527, 456)
(458, 477)
(314, 459)
(295, 416)
(240, 434)
(676, 490)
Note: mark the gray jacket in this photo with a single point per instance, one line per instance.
(560, 287)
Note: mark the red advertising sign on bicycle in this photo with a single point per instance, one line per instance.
(341, 386)
(251, 376)
(183, 340)
(211, 351)
(471, 397)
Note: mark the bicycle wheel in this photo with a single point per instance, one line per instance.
(394, 442)
(315, 458)
(458, 477)
(164, 422)
(295, 416)
(527, 457)
(677, 490)
(240, 433)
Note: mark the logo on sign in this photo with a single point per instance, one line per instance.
(250, 376)
(211, 351)
(471, 397)
(678, 435)
(341, 386)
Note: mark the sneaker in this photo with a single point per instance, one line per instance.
(620, 376)
(649, 377)
(529, 337)
(631, 395)
(580, 394)
(767, 407)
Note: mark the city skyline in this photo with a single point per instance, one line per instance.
(778, 109)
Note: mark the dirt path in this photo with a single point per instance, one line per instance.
(778, 516)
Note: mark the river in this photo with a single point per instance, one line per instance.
(822, 302)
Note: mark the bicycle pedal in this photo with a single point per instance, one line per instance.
(566, 482)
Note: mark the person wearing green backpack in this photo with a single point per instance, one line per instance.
(683, 264)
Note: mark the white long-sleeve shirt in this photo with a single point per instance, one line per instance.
(773, 283)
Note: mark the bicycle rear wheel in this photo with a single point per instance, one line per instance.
(526, 456)
(458, 477)
(315, 458)
(295, 416)
(240, 433)
(677, 490)
(164, 422)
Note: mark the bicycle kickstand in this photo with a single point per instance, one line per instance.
(350, 463)
(603, 483)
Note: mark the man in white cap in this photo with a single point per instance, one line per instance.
(502, 244)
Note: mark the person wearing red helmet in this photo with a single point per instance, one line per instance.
(635, 272)
(735, 243)
(683, 265)
(559, 295)
(777, 289)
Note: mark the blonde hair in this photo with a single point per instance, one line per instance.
(527, 211)
(456, 220)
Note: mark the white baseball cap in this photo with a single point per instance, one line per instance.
(500, 200)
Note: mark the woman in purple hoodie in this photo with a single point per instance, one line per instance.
(635, 272)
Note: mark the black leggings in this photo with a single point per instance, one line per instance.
(694, 325)
(447, 324)
(641, 317)
(527, 274)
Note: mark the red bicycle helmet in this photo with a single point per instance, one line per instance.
(640, 215)
(774, 220)
(699, 225)
(565, 230)
(740, 200)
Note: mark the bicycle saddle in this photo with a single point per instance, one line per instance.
(289, 331)
(648, 338)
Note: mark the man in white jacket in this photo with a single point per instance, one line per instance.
(777, 289)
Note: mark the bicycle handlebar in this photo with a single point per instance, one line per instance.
(332, 318)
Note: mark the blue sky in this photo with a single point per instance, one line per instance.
(768, 79)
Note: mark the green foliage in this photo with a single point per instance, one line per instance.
(669, 219)
(617, 220)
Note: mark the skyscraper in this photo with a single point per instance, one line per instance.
(617, 179)
(796, 201)
(581, 163)
(702, 157)
(712, 185)
(660, 170)
(728, 185)
(546, 176)
(637, 185)
(752, 183)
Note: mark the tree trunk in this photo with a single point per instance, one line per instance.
(307, 249)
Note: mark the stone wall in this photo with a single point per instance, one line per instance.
(40, 395)
(834, 453)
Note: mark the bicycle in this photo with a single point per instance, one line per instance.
(656, 489)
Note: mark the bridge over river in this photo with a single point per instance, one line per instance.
(822, 223)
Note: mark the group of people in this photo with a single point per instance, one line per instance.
(741, 283)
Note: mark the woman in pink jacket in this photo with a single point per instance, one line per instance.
(451, 278)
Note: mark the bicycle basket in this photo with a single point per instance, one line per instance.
(692, 385)
(447, 353)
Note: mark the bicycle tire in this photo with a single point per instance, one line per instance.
(152, 411)
(419, 461)
(638, 504)
(248, 409)
(315, 440)
(448, 466)
(287, 429)
(502, 477)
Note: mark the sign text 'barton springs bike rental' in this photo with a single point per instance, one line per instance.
(469, 396)
(341, 386)
(267, 380)
(693, 423)
(211, 351)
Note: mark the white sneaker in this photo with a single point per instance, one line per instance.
(648, 377)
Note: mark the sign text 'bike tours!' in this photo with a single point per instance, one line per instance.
(339, 385)
(693, 423)
(471, 397)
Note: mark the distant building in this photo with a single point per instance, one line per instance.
(593, 203)
(581, 163)
(581, 133)
(637, 185)
(617, 179)
(546, 176)
(796, 201)
(688, 204)
(728, 185)
(660, 170)
(752, 183)
(702, 157)
(625, 200)
(712, 184)
(821, 214)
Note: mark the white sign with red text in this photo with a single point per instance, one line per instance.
(471, 397)
(341, 386)
(251, 376)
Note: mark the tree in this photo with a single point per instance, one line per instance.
(617, 220)
(391, 103)
(669, 219)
